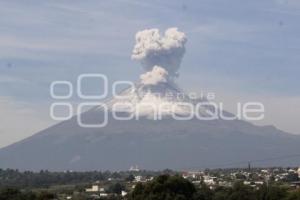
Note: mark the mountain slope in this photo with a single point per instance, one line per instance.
(151, 144)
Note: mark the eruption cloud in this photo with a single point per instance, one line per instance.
(157, 75)
(166, 51)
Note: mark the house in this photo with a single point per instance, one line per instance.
(209, 180)
(192, 175)
(123, 193)
(134, 169)
(94, 188)
(138, 179)
(103, 194)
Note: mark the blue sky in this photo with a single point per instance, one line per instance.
(241, 50)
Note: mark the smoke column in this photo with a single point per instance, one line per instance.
(166, 51)
(157, 75)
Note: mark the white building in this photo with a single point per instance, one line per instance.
(94, 188)
(209, 180)
(124, 193)
(103, 194)
(193, 175)
(138, 178)
(134, 169)
(298, 172)
(292, 171)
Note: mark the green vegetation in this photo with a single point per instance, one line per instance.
(166, 185)
(15, 194)
(177, 188)
(44, 178)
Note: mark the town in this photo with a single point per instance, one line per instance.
(118, 185)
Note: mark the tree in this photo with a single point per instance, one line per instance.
(241, 192)
(15, 194)
(295, 195)
(130, 178)
(46, 196)
(203, 193)
(222, 193)
(272, 192)
(10, 194)
(116, 188)
(164, 187)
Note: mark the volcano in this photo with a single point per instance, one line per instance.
(139, 132)
(149, 143)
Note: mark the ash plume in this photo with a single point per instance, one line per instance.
(157, 75)
(153, 49)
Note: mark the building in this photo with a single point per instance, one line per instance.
(134, 169)
(298, 172)
(123, 193)
(94, 188)
(103, 194)
(138, 179)
(209, 180)
(192, 175)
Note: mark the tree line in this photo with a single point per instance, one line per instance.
(44, 178)
(167, 187)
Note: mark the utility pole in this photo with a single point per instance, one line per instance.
(249, 166)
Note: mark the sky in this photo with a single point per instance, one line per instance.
(239, 50)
